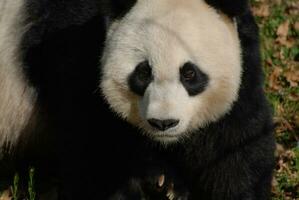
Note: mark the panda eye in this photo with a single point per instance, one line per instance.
(193, 79)
(143, 71)
(188, 74)
(140, 78)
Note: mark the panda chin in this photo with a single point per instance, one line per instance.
(166, 139)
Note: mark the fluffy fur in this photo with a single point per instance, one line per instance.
(82, 149)
(17, 98)
(49, 55)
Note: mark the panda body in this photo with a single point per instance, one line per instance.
(30, 63)
(49, 55)
(173, 112)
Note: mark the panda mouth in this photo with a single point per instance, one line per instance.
(165, 135)
(171, 134)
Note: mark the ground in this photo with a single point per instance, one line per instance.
(279, 32)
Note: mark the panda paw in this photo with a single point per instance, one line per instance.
(165, 187)
(159, 187)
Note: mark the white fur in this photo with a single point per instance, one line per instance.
(169, 33)
(16, 97)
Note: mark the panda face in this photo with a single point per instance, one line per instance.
(171, 67)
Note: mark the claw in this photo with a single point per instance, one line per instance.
(161, 180)
(6, 195)
(170, 193)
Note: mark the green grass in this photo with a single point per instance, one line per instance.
(31, 191)
(15, 188)
(17, 193)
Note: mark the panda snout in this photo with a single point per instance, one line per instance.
(163, 125)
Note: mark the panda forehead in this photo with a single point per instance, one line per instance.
(169, 33)
(154, 7)
(165, 25)
(159, 9)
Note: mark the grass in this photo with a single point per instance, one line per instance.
(15, 193)
(31, 191)
(15, 188)
(280, 57)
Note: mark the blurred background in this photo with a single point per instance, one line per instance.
(279, 34)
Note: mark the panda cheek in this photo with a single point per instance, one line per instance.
(143, 105)
(191, 112)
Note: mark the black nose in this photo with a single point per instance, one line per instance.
(163, 125)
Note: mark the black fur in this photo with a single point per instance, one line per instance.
(116, 9)
(230, 7)
(60, 52)
(81, 150)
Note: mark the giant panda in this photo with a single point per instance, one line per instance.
(134, 99)
(186, 76)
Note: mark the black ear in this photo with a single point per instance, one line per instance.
(230, 7)
(117, 8)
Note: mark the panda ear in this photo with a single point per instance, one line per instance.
(232, 8)
(117, 8)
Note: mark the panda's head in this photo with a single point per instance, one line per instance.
(171, 66)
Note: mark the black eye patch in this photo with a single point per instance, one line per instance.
(193, 79)
(140, 78)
